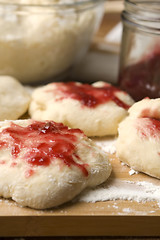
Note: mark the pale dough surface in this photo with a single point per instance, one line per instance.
(100, 121)
(14, 99)
(51, 185)
(44, 44)
(138, 143)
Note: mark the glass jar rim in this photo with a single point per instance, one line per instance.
(148, 7)
(56, 5)
(143, 15)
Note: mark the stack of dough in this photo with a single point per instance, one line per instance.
(43, 163)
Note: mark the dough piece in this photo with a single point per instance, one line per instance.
(44, 44)
(96, 109)
(45, 164)
(138, 143)
(14, 100)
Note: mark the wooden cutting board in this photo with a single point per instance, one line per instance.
(86, 219)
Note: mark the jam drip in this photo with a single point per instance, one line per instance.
(42, 143)
(89, 95)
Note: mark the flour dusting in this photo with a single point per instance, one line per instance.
(107, 144)
(115, 189)
(132, 171)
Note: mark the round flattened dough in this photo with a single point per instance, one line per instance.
(45, 186)
(14, 100)
(138, 143)
(48, 104)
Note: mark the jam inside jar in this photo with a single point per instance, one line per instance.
(139, 72)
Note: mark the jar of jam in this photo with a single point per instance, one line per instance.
(139, 73)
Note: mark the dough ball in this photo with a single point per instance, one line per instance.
(96, 109)
(45, 164)
(14, 100)
(138, 143)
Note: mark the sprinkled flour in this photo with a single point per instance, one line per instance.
(115, 189)
(132, 171)
(106, 143)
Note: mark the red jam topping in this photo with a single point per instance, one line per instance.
(150, 113)
(29, 173)
(43, 142)
(142, 79)
(90, 96)
(2, 162)
(149, 128)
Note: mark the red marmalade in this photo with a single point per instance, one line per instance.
(89, 95)
(142, 79)
(42, 142)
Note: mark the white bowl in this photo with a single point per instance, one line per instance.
(42, 39)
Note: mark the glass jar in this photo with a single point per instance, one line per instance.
(41, 40)
(139, 73)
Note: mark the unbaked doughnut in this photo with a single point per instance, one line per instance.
(138, 143)
(96, 109)
(45, 164)
(14, 99)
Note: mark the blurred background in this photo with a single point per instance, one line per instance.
(41, 41)
(102, 61)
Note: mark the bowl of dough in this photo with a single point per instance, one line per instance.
(43, 39)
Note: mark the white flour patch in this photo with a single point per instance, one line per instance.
(123, 164)
(127, 210)
(140, 191)
(132, 171)
(107, 144)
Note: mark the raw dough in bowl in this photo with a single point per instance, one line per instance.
(40, 41)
